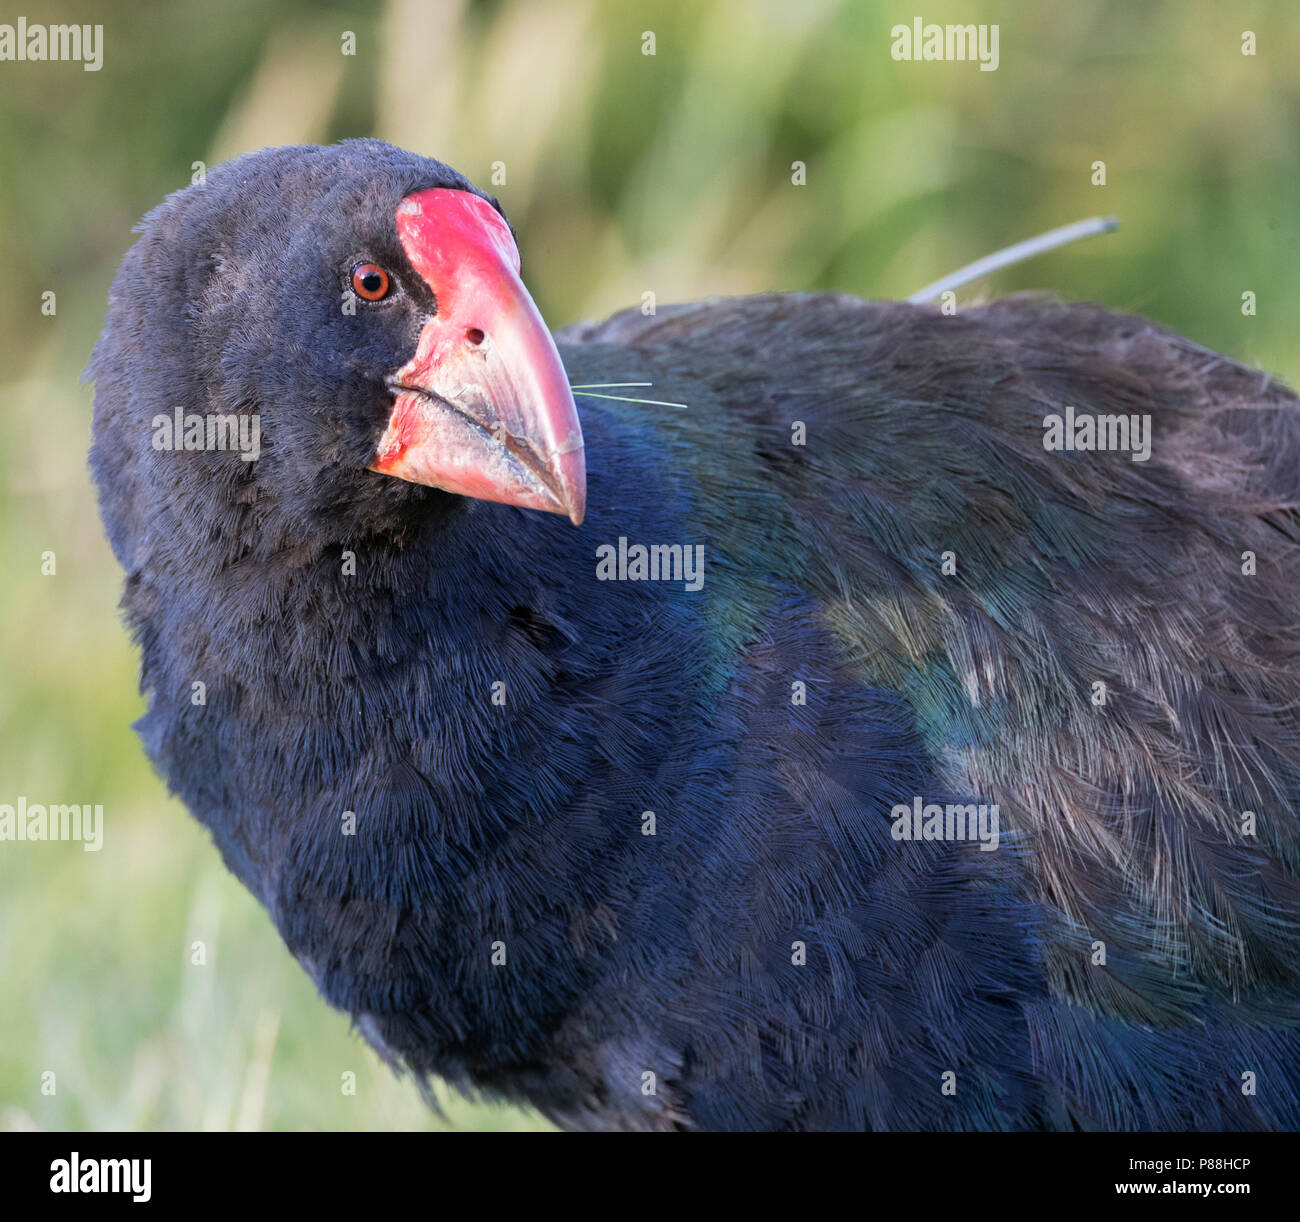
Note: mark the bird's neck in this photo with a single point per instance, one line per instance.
(379, 734)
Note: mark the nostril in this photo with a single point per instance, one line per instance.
(474, 336)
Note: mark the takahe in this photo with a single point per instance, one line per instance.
(883, 737)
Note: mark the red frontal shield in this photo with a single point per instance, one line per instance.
(483, 408)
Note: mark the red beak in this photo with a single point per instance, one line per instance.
(483, 408)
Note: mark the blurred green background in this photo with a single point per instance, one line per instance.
(625, 173)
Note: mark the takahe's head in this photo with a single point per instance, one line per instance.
(364, 305)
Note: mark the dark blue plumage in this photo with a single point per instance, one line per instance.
(351, 630)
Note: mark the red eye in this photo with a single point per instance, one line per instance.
(369, 281)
